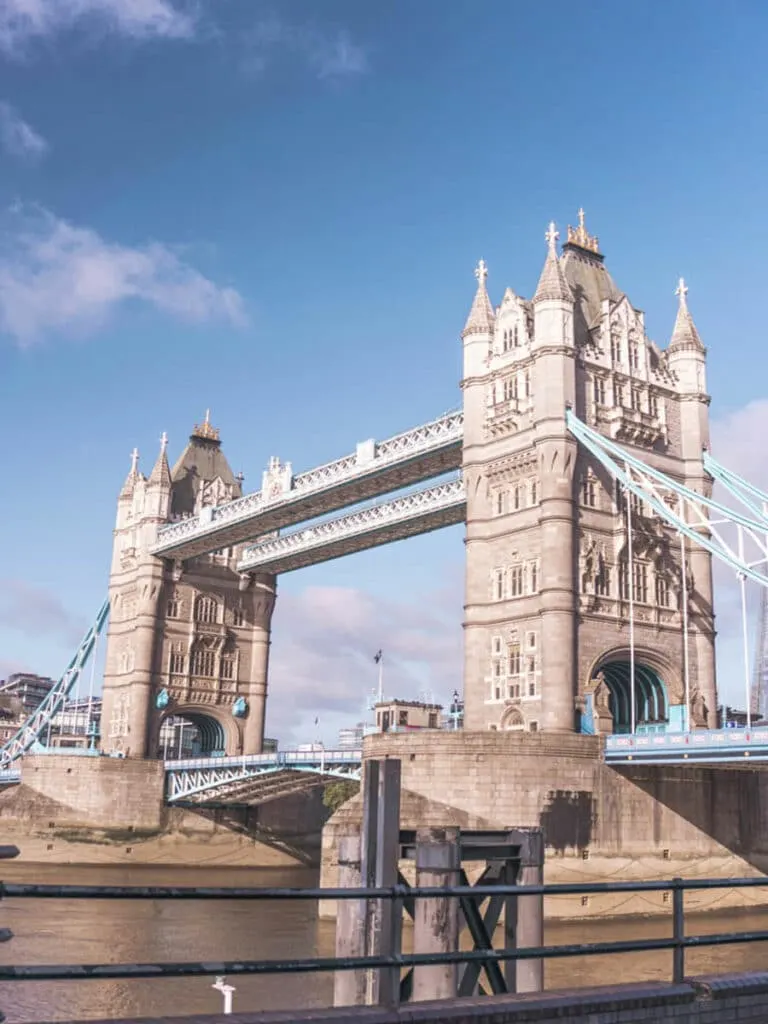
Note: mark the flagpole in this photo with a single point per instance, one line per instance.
(381, 678)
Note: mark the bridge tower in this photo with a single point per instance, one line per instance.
(190, 639)
(549, 596)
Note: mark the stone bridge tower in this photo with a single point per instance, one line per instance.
(547, 639)
(187, 639)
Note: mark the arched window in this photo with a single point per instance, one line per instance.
(204, 661)
(206, 609)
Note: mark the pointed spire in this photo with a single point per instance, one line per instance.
(552, 283)
(481, 316)
(133, 475)
(161, 473)
(684, 335)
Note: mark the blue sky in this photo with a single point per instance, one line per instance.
(273, 210)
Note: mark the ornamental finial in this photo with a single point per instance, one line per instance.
(552, 236)
(134, 461)
(682, 291)
(580, 236)
(481, 272)
(205, 430)
(163, 443)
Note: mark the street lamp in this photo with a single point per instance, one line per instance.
(457, 710)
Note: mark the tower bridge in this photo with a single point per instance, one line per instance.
(580, 466)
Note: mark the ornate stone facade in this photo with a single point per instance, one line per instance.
(192, 639)
(547, 577)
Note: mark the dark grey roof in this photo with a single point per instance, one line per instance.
(590, 283)
(201, 460)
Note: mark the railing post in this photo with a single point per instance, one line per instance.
(530, 913)
(436, 919)
(7, 853)
(678, 931)
(380, 852)
(349, 986)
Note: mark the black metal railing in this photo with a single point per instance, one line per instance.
(678, 943)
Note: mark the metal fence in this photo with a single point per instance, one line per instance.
(678, 943)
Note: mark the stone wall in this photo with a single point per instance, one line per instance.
(599, 823)
(729, 999)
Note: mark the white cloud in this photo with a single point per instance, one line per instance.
(22, 21)
(324, 640)
(18, 138)
(329, 55)
(55, 276)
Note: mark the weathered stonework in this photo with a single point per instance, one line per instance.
(547, 584)
(184, 639)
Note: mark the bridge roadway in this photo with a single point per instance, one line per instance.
(372, 470)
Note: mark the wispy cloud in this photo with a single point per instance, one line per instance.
(37, 612)
(55, 276)
(328, 54)
(17, 137)
(324, 641)
(23, 21)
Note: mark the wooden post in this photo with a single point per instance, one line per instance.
(384, 931)
(349, 986)
(436, 919)
(530, 913)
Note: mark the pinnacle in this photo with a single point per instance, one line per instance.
(161, 473)
(133, 474)
(481, 316)
(552, 283)
(684, 334)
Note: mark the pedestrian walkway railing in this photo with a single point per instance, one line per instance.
(403, 897)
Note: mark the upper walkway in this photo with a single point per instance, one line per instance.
(375, 468)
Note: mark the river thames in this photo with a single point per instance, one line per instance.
(91, 931)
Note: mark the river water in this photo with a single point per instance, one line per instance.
(58, 931)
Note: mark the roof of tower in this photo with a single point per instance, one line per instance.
(161, 473)
(584, 268)
(481, 317)
(552, 282)
(201, 461)
(133, 475)
(684, 335)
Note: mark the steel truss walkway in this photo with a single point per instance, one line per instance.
(419, 512)
(257, 779)
(374, 469)
(741, 748)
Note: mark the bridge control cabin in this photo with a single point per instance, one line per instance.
(407, 716)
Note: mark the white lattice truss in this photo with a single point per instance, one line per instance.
(259, 778)
(374, 469)
(413, 514)
(738, 539)
(35, 727)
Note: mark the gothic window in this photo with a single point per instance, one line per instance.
(618, 394)
(662, 591)
(527, 383)
(602, 580)
(498, 585)
(496, 643)
(204, 661)
(173, 608)
(589, 491)
(615, 348)
(530, 639)
(640, 574)
(517, 336)
(500, 503)
(176, 660)
(505, 342)
(623, 581)
(634, 355)
(228, 666)
(533, 491)
(510, 388)
(653, 405)
(516, 581)
(533, 577)
(238, 618)
(206, 610)
(636, 504)
(517, 497)
(599, 390)
(636, 399)
(531, 675)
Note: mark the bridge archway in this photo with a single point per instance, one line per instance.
(185, 732)
(657, 687)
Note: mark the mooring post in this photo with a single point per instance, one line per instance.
(349, 986)
(436, 919)
(530, 912)
(385, 916)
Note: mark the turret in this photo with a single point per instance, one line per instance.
(686, 354)
(553, 345)
(158, 489)
(126, 496)
(478, 330)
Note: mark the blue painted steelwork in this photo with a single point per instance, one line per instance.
(708, 746)
(35, 726)
(611, 455)
(749, 495)
(198, 780)
(240, 708)
(651, 704)
(162, 700)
